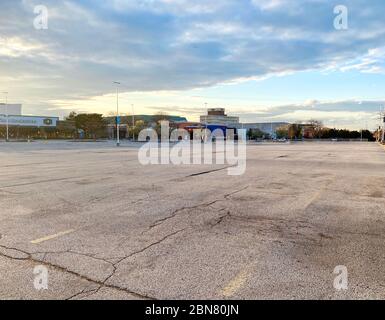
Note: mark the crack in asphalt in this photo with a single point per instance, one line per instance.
(175, 212)
(204, 205)
(115, 265)
(13, 193)
(208, 171)
(92, 256)
(148, 246)
(103, 284)
(84, 291)
(63, 269)
(221, 218)
(37, 182)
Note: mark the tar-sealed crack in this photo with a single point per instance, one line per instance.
(201, 205)
(221, 218)
(86, 291)
(92, 256)
(28, 257)
(115, 265)
(175, 212)
(148, 246)
(208, 171)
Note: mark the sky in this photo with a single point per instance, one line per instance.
(262, 60)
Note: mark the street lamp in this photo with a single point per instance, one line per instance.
(117, 114)
(6, 115)
(206, 118)
(133, 123)
(383, 127)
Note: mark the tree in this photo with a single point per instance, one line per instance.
(66, 128)
(346, 134)
(92, 124)
(377, 134)
(71, 116)
(295, 131)
(256, 133)
(282, 132)
(249, 134)
(317, 127)
(367, 135)
(139, 126)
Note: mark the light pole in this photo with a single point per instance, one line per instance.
(205, 137)
(383, 127)
(117, 114)
(6, 116)
(133, 123)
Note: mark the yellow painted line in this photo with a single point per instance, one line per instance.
(52, 236)
(235, 284)
(313, 198)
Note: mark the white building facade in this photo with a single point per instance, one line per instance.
(11, 114)
(28, 121)
(218, 116)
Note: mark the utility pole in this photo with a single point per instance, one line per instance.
(378, 138)
(6, 116)
(383, 127)
(133, 123)
(205, 137)
(117, 114)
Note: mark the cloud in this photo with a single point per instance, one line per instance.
(372, 62)
(269, 4)
(351, 114)
(160, 45)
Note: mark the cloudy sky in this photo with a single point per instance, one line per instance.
(264, 60)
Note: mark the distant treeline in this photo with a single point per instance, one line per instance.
(86, 125)
(315, 130)
(346, 134)
(94, 126)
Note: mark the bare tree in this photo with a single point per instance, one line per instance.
(317, 127)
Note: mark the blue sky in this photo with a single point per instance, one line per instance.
(276, 60)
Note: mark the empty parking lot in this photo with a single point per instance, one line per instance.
(107, 227)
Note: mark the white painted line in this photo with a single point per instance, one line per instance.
(52, 236)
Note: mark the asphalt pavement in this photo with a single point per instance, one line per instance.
(106, 227)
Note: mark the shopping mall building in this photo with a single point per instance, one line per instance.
(13, 113)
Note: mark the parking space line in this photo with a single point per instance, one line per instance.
(59, 234)
(235, 284)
